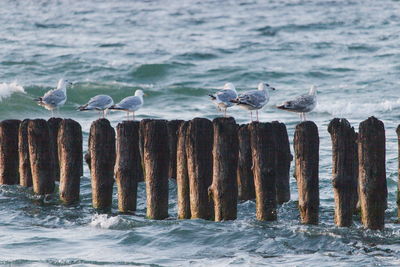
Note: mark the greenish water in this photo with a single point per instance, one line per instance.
(178, 52)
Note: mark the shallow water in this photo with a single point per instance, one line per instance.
(178, 52)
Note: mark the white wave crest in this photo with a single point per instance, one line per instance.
(103, 221)
(352, 108)
(7, 89)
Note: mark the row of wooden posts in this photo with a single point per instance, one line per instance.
(215, 163)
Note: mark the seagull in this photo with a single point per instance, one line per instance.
(254, 99)
(130, 103)
(99, 103)
(55, 98)
(302, 104)
(222, 98)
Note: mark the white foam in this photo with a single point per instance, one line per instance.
(7, 89)
(342, 108)
(103, 221)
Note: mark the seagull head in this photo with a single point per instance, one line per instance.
(229, 86)
(139, 93)
(265, 86)
(313, 90)
(62, 84)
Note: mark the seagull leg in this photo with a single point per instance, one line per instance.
(304, 115)
(251, 115)
(225, 113)
(127, 113)
(257, 114)
(133, 115)
(52, 113)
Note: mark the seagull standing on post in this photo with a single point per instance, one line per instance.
(302, 104)
(222, 98)
(55, 98)
(254, 99)
(130, 103)
(99, 102)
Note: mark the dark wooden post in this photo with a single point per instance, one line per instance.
(263, 147)
(9, 152)
(141, 149)
(398, 181)
(224, 189)
(54, 126)
(156, 162)
(71, 160)
(182, 176)
(25, 174)
(173, 127)
(283, 160)
(245, 176)
(41, 157)
(306, 147)
(199, 143)
(344, 179)
(372, 173)
(128, 165)
(102, 160)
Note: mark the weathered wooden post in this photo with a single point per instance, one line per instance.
(41, 157)
(182, 176)
(283, 160)
(263, 147)
(398, 181)
(245, 176)
(225, 152)
(128, 165)
(344, 178)
(102, 161)
(306, 147)
(9, 152)
(199, 143)
(54, 126)
(372, 173)
(173, 127)
(71, 160)
(25, 174)
(156, 162)
(141, 148)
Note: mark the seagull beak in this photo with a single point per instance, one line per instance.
(273, 88)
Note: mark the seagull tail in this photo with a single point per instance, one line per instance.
(283, 107)
(39, 99)
(236, 101)
(82, 108)
(115, 107)
(212, 97)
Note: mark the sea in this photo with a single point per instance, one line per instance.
(178, 52)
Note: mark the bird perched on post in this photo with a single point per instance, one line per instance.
(130, 103)
(302, 104)
(99, 102)
(254, 99)
(55, 98)
(222, 98)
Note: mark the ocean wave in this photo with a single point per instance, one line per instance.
(104, 221)
(7, 89)
(352, 108)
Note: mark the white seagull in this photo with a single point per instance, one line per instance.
(99, 103)
(254, 99)
(130, 103)
(222, 98)
(55, 98)
(302, 104)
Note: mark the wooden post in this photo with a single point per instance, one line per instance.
(25, 174)
(283, 160)
(372, 173)
(224, 189)
(128, 165)
(199, 143)
(306, 147)
(398, 180)
(71, 160)
(9, 152)
(102, 161)
(54, 126)
(173, 127)
(245, 176)
(141, 148)
(156, 162)
(344, 179)
(182, 176)
(263, 147)
(41, 157)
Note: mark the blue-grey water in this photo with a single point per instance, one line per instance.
(178, 52)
